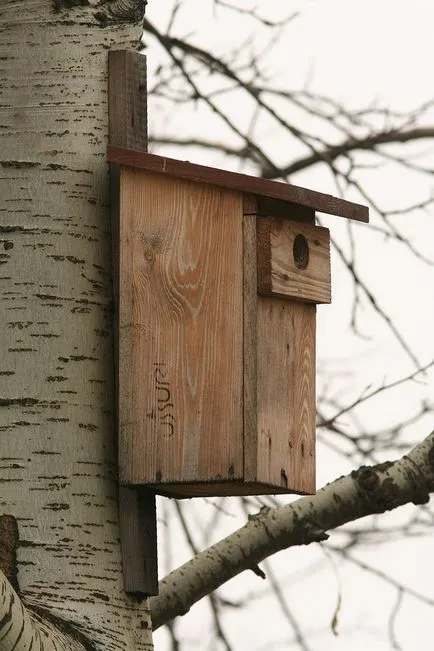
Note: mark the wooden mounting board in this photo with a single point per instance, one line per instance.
(128, 127)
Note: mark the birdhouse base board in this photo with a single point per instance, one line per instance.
(211, 489)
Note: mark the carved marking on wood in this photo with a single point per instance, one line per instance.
(165, 406)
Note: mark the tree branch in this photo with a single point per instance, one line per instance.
(369, 143)
(22, 629)
(368, 490)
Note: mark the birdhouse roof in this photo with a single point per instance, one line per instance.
(285, 192)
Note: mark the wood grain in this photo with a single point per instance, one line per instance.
(249, 184)
(181, 301)
(250, 348)
(286, 393)
(223, 488)
(139, 540)
(250, 204)
(279, 260)
(127, 100)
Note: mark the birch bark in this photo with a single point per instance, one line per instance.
(57, 446)
(368, 490)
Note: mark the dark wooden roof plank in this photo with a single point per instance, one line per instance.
(320, 202)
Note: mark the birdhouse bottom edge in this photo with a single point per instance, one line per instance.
(224, 488)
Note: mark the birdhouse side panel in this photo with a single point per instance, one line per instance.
(286, 393)
(182, 243)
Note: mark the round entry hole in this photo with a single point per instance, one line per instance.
(300, 252)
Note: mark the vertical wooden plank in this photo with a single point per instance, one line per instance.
(137, 511)
(286, 400)
(279, 371)
(182, 243)
(286, 393)
(305, 397)
(128, 114)
(137, 506)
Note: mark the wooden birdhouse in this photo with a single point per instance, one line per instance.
(219, 275)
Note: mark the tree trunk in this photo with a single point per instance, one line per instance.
(57, 446)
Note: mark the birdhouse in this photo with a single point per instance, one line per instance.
(219, 275)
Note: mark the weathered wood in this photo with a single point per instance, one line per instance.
(250, 348)
(228, 488)
(137, 510)
(235, 181)
(181, 307)
(286, 365)
(293, 260)
(219, 276)
(127, 100)
(139, 540)
(223, 380)
(286, 393)
(267, 207)
(250, 204)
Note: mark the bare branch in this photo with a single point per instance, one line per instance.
(371, 394)
(287, 612)
(251, 12)
(364, 492)
(383, 576)
(20, 628)
(331, 153)
(361, 285)
(213, 601)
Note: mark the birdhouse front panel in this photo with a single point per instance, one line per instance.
(279, 368)
(293, 259)
(218, 278)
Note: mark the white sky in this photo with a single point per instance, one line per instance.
(358, 53)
